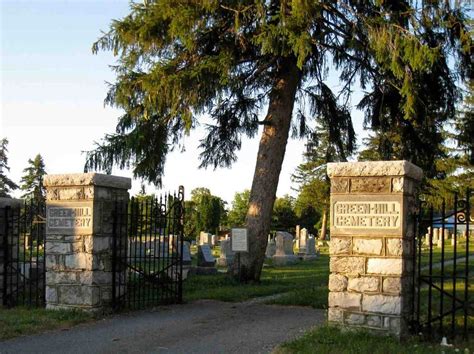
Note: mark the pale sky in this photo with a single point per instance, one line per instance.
(52, 92)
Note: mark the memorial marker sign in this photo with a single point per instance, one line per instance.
(240, 240)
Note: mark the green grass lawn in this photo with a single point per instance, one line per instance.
(328, 339)
(304, 283)
(20, 321)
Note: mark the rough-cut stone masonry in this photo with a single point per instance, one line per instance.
(371, 244)
(79, 239)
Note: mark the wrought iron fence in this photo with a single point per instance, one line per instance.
(23, 233)
(147, 251)
(443, 275)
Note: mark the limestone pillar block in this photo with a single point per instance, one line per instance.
(79, 239)
(371, 247)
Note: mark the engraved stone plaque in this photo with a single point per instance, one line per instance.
(366, 215)
(69, 219)
(239, 240)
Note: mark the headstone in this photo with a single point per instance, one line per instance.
(302, 241)
(186, 252)
(297, 232)
(271, 248)
(310, 249)
(213, 240)
(435, 235)
(284, 249)
(204, 238)
(205, 257)
(227, 256)
(453, 241)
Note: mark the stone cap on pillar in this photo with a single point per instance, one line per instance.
(87, 179)
(374, 169)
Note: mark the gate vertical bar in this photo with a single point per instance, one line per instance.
(6, 256)
(430, 271)
(443, 244)
(453, 304)
(181, 243)
(114, 256)
(466, 280)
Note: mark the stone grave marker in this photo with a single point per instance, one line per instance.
(227, 256)
(284, 249)
(205, 257)
(271, 248)
(310, 249)
(302, 240)
(204, 238)
(214, 240)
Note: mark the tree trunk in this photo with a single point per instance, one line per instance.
(267, 170)
(324, 225)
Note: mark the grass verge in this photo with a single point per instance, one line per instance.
(20, 321)
(304, 283)
(329, 339)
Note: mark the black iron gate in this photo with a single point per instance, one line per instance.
(23, 254)
(147, 251)
(443, 275)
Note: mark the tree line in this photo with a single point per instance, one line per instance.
(31, 183)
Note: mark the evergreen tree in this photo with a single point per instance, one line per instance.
(178, 60)
(32, 180)
(6, 184)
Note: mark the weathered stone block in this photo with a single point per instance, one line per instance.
(51, 294)
(370, 185)
(58, 247)
(367, 246)
(355, 319)
(79, 261)
(347, 265)
(50, 261)
(394, 247)
(385, 304)
(363, 284)
(340, 245)
(337, 282)
(61, 277)
(392, 285)
(340, 185)
(95, 244)
(374, 321)
(335, 315)
(344, 300)
(79, 295)
(384, 266)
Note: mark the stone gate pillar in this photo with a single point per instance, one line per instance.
(371, 247)
(79, 225)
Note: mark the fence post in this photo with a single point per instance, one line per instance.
(79, 239)
(6, 206)
(371, 247)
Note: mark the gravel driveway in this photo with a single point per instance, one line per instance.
(200, 327)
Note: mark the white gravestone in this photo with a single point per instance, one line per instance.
(204, 238)
(205, 257)
(302, 240)
(310, 248)
(227, 256)
(271, 248)
(284, 249)
(213, 240)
